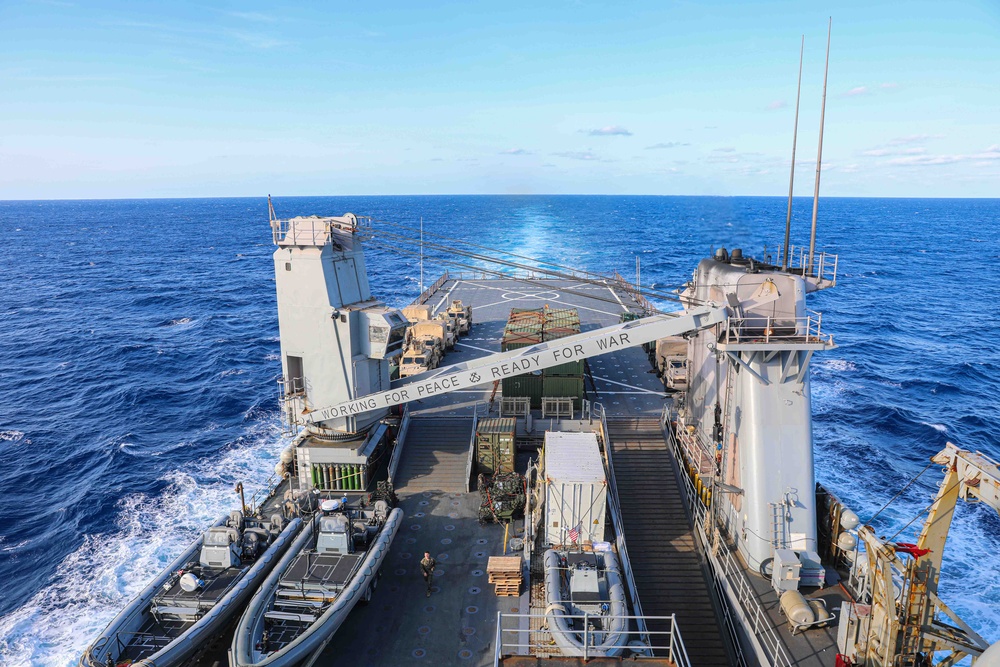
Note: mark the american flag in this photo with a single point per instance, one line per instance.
(574, 533)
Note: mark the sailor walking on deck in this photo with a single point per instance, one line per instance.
(427, 565)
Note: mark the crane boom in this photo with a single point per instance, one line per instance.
(979, 474)
(527, 360)
(911, 625)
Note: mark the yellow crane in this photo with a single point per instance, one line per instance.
(908, 625)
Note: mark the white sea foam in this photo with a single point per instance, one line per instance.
(182, 320)
(11, 435)
(839, 365)
(940, 428)
(94, 582)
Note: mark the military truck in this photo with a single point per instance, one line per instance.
(671, 362)
(418, 312)
(451, 328)
(461, 315)
(419, 357)
(431, 332)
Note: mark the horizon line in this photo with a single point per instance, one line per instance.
(538, 194)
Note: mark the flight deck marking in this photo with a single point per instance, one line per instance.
(447, 294)
(615, 294)
(539, 296)
(631, 386)
(473, 347)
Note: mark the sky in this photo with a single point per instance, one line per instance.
(202, 99)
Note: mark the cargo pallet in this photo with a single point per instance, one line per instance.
(505, 572)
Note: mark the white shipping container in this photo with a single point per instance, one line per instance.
(576, 489)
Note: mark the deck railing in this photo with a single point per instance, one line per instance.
(429, 292)
(313, 230)
(824, 264)
(522, 640)
(765, 330)
(472, 442)
(728, 575)
(397, 451)
(634, 292)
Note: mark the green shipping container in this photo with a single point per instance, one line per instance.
(563, 387)
(528, 385)
(495, 445)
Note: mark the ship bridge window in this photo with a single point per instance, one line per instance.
(395, 339)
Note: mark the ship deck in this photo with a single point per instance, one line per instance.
(457, 623)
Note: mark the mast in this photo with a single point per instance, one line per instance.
(819, 156)
(421, 254)
(791, 179)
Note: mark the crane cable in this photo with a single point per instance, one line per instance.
(573, 274)
(500, 274)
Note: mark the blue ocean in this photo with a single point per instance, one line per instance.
(139, 355)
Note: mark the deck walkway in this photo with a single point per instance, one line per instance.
(665, 561)
(436, 455)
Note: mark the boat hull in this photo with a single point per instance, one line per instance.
(248, 633)
(205, 629)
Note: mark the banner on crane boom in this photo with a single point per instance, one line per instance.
(489, 369)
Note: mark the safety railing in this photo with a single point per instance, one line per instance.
(258, 497)
(765, 330)
(429, 292)
(725, 568)
(397, 451)
(647, 307)
(314, 230)
(522, 640)
(824, 264)
(614, 508)
(472, 442)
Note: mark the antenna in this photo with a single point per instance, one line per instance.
(791, 179)
(819, 156)
(421, 254)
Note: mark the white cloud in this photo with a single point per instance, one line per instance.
(913, 139)
(920, 160)
(886, 86)
(777, 104)
(885, 152)
(610, 131)
(860, 90)
(577, 155)
(726, 149)
(515, 151)
(666, 144)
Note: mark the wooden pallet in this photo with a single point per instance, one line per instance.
(505, 572)
(508, 590)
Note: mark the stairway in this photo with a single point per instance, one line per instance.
(435, 455)
(661, 547)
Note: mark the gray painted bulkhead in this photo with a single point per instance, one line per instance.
(324, 302)
(767, 440)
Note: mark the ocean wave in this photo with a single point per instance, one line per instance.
(96, 580)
